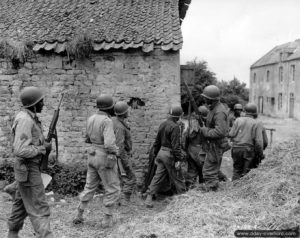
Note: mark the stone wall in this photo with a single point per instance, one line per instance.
(151, 82)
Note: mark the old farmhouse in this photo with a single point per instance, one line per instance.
(126, 48)
(275, 81)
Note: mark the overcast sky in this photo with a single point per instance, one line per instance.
(232, 34)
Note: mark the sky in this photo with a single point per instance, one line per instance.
(232, 34)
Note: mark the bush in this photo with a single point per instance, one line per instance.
(7, 172)
(66, 180)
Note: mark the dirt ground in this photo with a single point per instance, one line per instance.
(64, 212)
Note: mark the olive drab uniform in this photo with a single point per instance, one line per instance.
(247, 140)
(102, 163)
(124, 143)
(30, 197)
(195, 150)
(167, 150)
(215, 131)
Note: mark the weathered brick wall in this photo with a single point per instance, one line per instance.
(153, 78)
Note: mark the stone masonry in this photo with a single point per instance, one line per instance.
(133, 76)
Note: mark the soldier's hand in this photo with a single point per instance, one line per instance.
(178, 165)
(48, 146)
(41, 150)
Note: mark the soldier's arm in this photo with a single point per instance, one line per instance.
(258, 140)
(220, 130)
(175, 142)
(120, 139)
(265, 138)
(109, 137)
(22, 145)
(234, 130)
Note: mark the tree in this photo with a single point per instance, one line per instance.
(233, 92)
(202, 77)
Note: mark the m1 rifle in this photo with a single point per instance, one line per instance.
(52, 133)
(193, 103)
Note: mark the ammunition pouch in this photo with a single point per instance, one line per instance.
(21, 170)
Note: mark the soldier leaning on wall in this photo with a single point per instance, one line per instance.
(124, 143)
(28, 147)
(102, 161)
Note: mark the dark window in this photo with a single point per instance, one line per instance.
(268, 76)
(254, 77)
(292, 72)
(279, 101)
(280, 74)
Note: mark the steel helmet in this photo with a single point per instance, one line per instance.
(30, 96)
(238, 107)
(176, 111)
(203, 110)
(211, 92)
(251, 109)
(105, 102)
(121, 108)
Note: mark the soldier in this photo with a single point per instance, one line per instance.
(257, 159)
(247, 140)
(124, 142)
(196, 153)
(215, 131)
(29, 146)
(102, 161)
(237, 110)
(167, 150)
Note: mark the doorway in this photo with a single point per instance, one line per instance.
(292, 103)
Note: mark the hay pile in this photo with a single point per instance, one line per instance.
(14, 50)
(267, 198)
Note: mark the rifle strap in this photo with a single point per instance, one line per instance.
(56, 143)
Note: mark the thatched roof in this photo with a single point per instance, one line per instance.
(289, 51)
(109, 24)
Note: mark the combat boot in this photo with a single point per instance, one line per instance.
(126, 199)
(148, 201)
(79, 218)
(107, 221)
(13, 234)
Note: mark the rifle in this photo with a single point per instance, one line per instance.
(121, 168)
(192, 101)
(52, 133)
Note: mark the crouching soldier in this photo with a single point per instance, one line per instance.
(195, 143)
(247, 140)
(167, 150)
(102, 161)
(124, 143)
(28, 147)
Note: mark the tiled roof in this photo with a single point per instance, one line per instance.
(111, 24)
(290, 51)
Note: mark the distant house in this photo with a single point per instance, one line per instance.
(126, 48)
(275, 81)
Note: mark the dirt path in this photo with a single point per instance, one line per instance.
(63, 213)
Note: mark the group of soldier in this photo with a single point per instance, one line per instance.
(108, 141)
